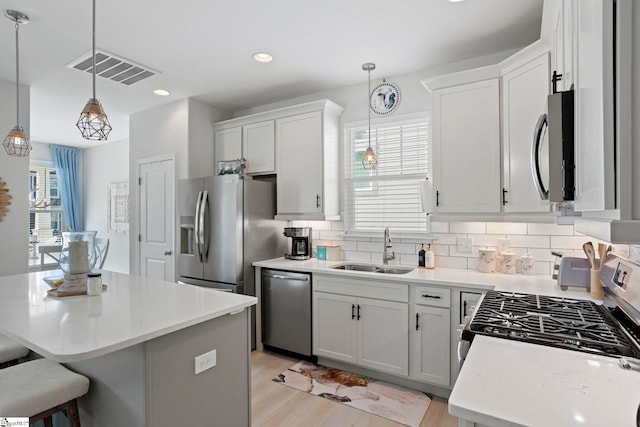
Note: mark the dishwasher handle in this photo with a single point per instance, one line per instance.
(304, 278)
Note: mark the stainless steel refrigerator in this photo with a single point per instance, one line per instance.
(225, 224)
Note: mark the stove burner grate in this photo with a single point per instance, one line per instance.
(560, 322)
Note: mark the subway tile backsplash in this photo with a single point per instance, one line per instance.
(538, 240)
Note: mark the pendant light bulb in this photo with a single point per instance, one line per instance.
(369, 159)
(17, 143)
(93, 122)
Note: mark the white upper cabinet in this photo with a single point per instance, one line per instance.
(300, 145)
(466, 148)
(524, 100)
(563, 42)
(259, 147)
(255, 142)
(307, 160)
(483, 128)
(300, 180)
(227, 144)
(594, 108)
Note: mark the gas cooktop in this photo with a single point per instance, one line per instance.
(555, 321)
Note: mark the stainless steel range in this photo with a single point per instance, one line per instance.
(610, 329)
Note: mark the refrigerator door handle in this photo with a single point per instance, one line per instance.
(204, 233)
(535, 156)
(196, 230)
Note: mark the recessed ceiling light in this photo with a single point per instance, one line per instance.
(262, 57)
(455, 1)
(162, 92)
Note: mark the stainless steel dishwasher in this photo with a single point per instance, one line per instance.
(286, 310)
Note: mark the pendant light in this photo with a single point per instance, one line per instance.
(369, 158)
(93, 122)
(16, 143)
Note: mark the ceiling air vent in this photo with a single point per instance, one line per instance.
(112, 67)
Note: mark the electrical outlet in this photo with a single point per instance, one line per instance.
(205, 361)
(464, 244)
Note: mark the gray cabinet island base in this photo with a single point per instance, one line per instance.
(153, 383)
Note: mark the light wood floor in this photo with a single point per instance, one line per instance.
(275, 405)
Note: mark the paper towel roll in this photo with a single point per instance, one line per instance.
(426, 195)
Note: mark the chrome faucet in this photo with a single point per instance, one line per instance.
(386, 256)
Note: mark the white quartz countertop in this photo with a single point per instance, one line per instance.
(131, 311)
(512, 383)
(454, 277)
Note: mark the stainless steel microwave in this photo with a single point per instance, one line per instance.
(558, 123)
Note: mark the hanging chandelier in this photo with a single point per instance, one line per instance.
(93, 122)
(17, 143)
(369, 160)
(39, 202)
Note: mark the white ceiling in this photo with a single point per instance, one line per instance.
(203, 49)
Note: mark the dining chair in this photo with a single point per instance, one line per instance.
(102, 248)
(49, 253)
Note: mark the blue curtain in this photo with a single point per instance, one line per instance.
(66, 160)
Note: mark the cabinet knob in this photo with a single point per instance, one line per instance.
(167, 252)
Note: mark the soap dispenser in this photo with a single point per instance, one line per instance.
(421, 256)
(430, 258)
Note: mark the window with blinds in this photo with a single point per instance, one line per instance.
(46, 218)
(388, 196)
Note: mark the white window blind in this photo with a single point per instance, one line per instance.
(388, 196)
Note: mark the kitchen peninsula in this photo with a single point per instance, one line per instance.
(137, 343)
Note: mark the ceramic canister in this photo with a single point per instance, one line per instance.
(528, 264)
(487, 260)
(508, 262)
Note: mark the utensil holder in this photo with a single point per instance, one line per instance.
(597, 291)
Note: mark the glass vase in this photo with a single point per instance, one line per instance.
(78, 254)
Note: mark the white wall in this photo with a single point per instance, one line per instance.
(103, 165)
(182, 128)
(41, 153)
(201, 137)
(635, 114)
(14, 228)
(414, 97)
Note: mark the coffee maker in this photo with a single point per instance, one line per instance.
(300, 248)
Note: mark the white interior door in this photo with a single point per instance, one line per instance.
(156, 202)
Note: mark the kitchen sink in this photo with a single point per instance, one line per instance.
(373, 268)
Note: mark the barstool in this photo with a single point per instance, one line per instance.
(40, 388)
(11, 351)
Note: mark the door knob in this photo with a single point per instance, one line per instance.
(168, 252)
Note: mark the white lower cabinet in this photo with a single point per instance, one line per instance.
(369, 332)
(364, 331)
(431, 355)
(334, 328)
(383, 335)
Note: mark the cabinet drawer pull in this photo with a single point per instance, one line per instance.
(353, 311)
(417, 321)
(431, 296)
(437, 198)
(358, 317)
(504, 196)
(317, 200)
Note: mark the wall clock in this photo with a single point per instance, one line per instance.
(385, 98)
